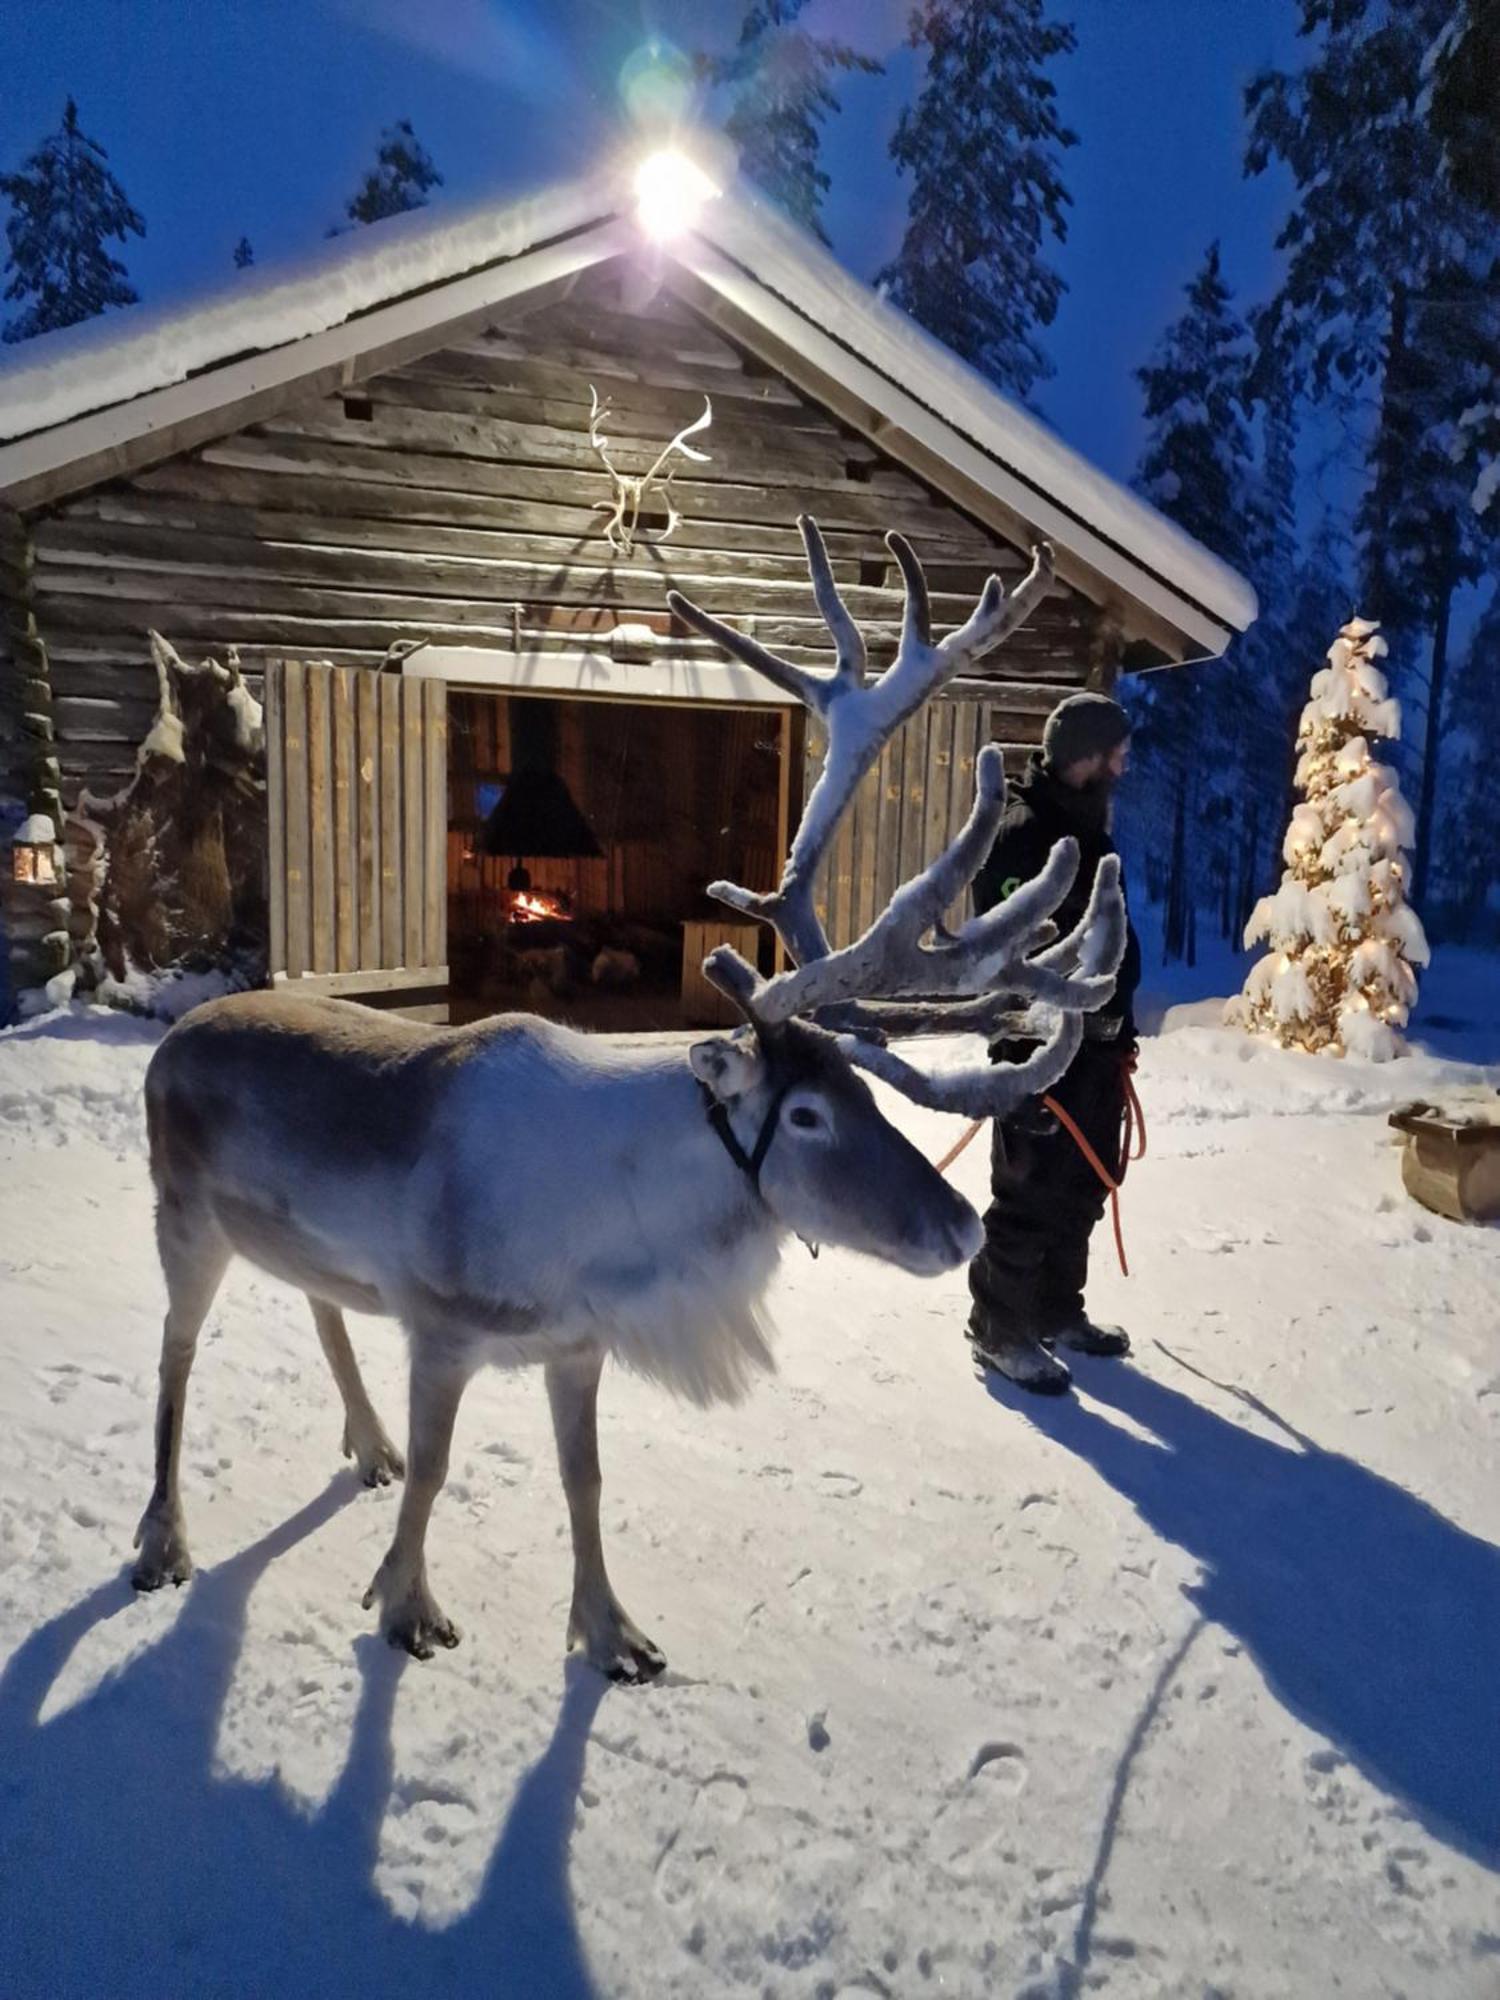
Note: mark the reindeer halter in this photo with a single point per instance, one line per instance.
(749, 1163)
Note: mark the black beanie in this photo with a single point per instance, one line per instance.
(1083, 726)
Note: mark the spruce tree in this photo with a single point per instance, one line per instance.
(66, 206)
(1389, 296)
(244, 254)
(781, 77)
(402, 178)
(1343, 938)
(1197, 468)
(983, 145)
(1462, 64)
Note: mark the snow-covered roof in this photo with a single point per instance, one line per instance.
(74, 395)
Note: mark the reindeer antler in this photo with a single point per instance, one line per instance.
(907, 955)
(631, 488)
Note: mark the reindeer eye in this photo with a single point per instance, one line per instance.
(804, 1119)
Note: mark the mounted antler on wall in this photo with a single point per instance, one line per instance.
(631, 490)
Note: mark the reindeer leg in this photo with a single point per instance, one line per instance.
(194, 1256)
(365, 1439)
(598, 1626)
(409, 1615)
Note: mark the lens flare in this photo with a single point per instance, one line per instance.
(657, 87)
(670, 190)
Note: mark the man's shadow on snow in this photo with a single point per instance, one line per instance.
(129, 1866)
(1374, 1619)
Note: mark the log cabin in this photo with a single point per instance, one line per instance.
(382, 480)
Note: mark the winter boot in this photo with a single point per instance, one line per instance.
(1084, 1337)
(1018, 1357)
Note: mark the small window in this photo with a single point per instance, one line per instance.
(872, 572)
(359, 409)
(653, 521)
(859, 469)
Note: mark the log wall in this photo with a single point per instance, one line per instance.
(455, 499)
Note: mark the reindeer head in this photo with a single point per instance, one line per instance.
(828, 1163)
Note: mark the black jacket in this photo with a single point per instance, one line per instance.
(1039, 812)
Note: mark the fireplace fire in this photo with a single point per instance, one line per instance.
(538, 906)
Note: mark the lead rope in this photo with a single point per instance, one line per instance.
(1132, 1147)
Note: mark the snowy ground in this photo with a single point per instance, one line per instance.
(1183, 1687)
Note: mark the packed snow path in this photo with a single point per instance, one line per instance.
(1185, 1686)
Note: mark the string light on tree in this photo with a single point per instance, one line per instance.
(1343, 939)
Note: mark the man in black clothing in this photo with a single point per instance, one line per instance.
(1027, 1282)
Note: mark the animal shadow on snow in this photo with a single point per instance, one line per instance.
(129, 1868)
(1374, 1619)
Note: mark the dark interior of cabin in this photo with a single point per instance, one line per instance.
(582, 838)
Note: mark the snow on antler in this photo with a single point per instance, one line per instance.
(908, 955)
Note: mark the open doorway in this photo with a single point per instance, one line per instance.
(583, 834)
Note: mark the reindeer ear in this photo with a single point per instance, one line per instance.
(727, 1068)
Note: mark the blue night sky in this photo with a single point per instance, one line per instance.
(224, 117)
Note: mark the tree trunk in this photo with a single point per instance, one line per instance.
(1432, 747)
(1174, 941)
(1388, 448)
(1249, 874)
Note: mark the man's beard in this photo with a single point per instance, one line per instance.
(1095, 801)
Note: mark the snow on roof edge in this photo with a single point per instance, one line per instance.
(796, 268)
(121, 355)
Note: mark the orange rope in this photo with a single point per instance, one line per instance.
(1132, 1128)
(954, 1150)
(1132, 1147)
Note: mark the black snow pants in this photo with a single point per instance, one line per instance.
(1028, 1279)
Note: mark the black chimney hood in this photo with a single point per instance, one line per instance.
(537, 817)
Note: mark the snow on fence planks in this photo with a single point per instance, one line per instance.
(357, 820)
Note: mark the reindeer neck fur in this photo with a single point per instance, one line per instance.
(585, 1182)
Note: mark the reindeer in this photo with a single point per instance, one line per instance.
(514, 1192)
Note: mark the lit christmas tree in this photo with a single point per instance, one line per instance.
(1343, 939)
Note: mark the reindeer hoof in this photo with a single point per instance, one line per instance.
(378, 1460)
(622, 1653)
(412, 1620)
(643, 1664)
(418, 1636)
(164, 1554)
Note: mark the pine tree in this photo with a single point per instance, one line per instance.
(782, 81)
(65, 207)
(244, 254)
(1197, 468)
(1343, 938)
(1462, 66)
(1463, 62)
(1389, 288)
(983, 145)
(402, 177)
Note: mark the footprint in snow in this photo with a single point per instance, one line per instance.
(690, 1859)
(1002, 1765)
(839, 1485)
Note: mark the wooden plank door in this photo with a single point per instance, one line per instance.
(357, 795)
(904, 814)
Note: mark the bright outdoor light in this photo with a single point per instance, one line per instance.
(670, 190)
